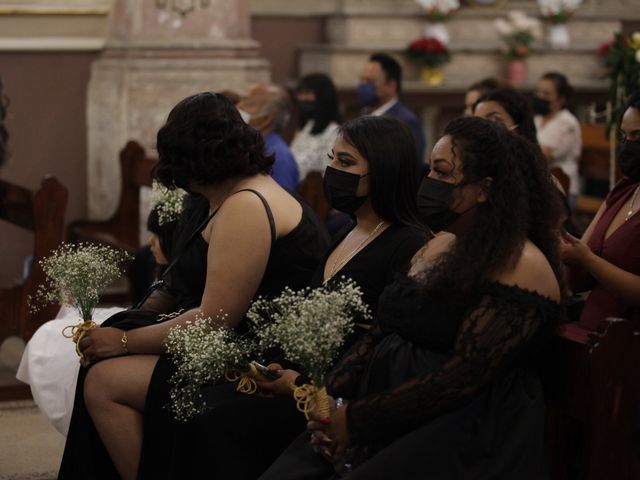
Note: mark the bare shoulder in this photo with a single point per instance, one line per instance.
(533, 272)
(243, 208)
(439, 244)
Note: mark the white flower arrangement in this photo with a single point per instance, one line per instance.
(558, 10)
(310, 325)
(439, 10)
(169, 203)
(76, 274)
(518, 31)
(203, 352)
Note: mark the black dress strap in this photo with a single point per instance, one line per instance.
(272, 223)
(198, 231)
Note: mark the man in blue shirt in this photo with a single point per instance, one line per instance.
(267, 107)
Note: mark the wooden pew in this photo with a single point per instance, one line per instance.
(122, 229)
(43, 213)
(311, 189)
(592, 401)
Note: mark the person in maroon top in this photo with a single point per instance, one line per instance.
(607, 258)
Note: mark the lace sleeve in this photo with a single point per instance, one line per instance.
(344, 379)
(487, 339)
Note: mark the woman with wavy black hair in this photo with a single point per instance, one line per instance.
(509, 107)
(317, 100)
(258, 239)
(445, 384)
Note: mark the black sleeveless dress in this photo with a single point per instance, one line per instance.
(239, 436)
(292, 261)
(441, 389)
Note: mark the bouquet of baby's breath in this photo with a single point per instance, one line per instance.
(76, 274)
(203, 352)
(309, 326)
(168, 203)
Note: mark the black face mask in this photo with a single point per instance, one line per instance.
(629, 159)
(541, 106)
(434, 200)
(307, 110)
(340, 189)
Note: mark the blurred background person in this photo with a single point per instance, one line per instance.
(479, 88)
(267, 108)
(559, 132)
(319, 120)
(378, 91)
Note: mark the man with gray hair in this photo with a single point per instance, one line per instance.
(266, 107)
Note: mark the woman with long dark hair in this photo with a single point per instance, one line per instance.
(509, 107)
(371, 177)
(445, 385)
(317, 100)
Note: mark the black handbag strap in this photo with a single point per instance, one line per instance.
(198, 231)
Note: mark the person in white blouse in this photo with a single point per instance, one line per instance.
(319, 118)
(558, 129)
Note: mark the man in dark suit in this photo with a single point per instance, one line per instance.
(380, 85)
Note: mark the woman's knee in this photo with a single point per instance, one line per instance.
(96, 385)
(122, 380)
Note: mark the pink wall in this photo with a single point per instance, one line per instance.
(47, 128)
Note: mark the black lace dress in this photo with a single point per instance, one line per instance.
(441, 389)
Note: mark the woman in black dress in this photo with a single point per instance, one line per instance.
(259, 240)
(372, 178)
(445, 385)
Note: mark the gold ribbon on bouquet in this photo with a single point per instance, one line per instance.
(246, 380)
(305, 394)
(76, 332)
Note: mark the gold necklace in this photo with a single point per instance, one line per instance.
(633, 200)
(339, 263)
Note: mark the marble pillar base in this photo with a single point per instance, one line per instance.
(132, 90)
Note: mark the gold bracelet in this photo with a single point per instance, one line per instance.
(124, 341)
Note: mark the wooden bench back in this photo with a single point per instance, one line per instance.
(592, 400)
(594, 162)
(122, 229)
(311, 189)
(43, 213)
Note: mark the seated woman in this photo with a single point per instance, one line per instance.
(371, 177)
(259, 239)
(511, 108)
(606, 260)
(445, 385)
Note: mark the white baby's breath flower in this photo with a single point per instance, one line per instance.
(76, 274)
(169, 203)
(203, 352)
(310, 326)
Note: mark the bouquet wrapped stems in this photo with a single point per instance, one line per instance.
(75, 276)
(76, 333)
(310, 398)
(247, 379)
(310, 327)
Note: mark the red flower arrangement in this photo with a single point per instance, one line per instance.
(430, 52)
